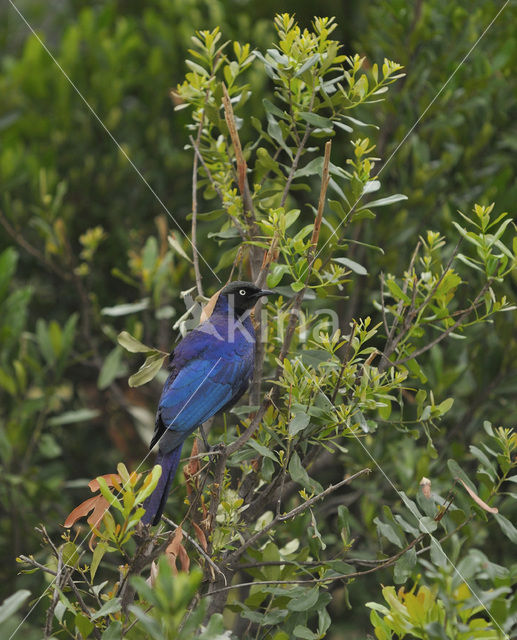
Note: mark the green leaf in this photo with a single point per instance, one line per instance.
(151, 626)
(111, 606)
(307, 65)
(175, 244)
(131, 344)
(113, 632)
(148, 370)
(299, 475)
(438, 557)
(507, 527)
(316, 120)
(108, 495)
(214, 629)
(273, 109)
(71, 417)
(304, 633)
(264, 451)
(277, 273)
(126, 309)
(404, 566)
(388, 531)
(299, 423)
(382, 202)
(396, 291)
(306, 601)
(149, 488)
(457, 472)
(444, 406)
(111, 368)
(98, 553)
(11, 604)
(351, 264)
(84, 625)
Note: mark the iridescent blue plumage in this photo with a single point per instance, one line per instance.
(210, 370)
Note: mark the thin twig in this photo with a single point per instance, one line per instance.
(55, 597)
(443, 335)
(294, 512)
(195, 254)
(404, 290)
(82, 604)
(35, 563)
(242, 181)
(383, 306)
(344, 362)
(19, 239)
(342, 576)
(216, 489)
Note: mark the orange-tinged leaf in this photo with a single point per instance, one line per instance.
(174, 545)
(101, 506)
(200, 536)
(209, 306)
(173, 549)
(192, 466)
(80, 511)
(184, 559)
(478, 500)
(110, 479)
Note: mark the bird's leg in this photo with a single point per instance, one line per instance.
(205, 441)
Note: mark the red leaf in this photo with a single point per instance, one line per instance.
(110, 478)
(184, 559)
(101, 506)
(200, 536)
(80, 511)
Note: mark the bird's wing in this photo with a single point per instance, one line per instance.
(197, 391)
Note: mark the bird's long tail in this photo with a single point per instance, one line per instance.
(155, 503)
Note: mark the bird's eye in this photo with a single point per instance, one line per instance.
(242, 292)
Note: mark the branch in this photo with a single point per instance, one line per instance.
(82, 604)
(55, 597)
(256, 385)
(242, 179)
(195, 253)
(19, 239)
(401, 302)
(217, 485)
(294, 166)
(294, 512)
(342, 576)
(443, 335)
(273, 392)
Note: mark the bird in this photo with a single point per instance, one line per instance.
(210, 369)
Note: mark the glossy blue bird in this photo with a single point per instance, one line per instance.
(210, 369)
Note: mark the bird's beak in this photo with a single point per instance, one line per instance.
(262, 293)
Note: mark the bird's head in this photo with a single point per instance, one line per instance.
(243, 295)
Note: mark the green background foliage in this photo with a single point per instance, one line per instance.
(85, 254)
